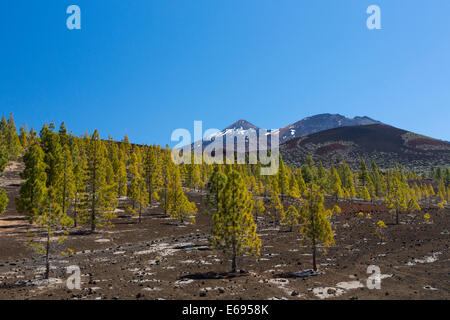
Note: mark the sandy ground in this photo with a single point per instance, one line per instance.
(159, 259)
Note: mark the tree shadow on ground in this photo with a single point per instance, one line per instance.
(214, 275)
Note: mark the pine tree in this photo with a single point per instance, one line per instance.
(293, 187)
(63, 136)
(364, 193)
(363, 174)
(33, 190)
(3, 159)
(193, 176)
(102, 200)
(53, 155)
(152, 173)
(290, 218)
(66, 187)
(377, 179)
(52, 219)
(24, 138)
(234, 228)
(258, 208)
(315, 220)
(12, 141)
(283, 182)
(397, 199)
(335, 184)
(277, 210)
(346, 176)
(178, 205)
(79, 181)
(138, 190)
(215, 184)
(380, 230)
(3, 201)
(301, 182)
(3, 196)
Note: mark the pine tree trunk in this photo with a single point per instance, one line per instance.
(233, 264)
(47, 262)
(140, 212)
(396, 214)
(314, 256)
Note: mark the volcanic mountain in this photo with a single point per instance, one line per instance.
(319, 123)
(300, 128)
(381, 143)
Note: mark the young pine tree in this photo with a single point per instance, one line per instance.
(54, 221)
(33, 190)
(335, 186)
(65, 189)
(315, 219)
(179, 207)
(101, 196)
(137, 191)
(215, 184)
(234, 229)
(290, 218)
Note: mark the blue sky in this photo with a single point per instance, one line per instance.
(145, 68)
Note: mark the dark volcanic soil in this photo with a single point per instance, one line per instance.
(159, 259)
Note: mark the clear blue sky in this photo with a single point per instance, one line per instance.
(145, 68)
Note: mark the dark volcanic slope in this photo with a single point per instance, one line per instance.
(384, 144)
(321, 122)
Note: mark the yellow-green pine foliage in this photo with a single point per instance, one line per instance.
(397, 199)
(321, 176)
(215, 184)
(137, 192)
(152, 172)
(258, 207)
(283, 182)
(33, 190)
(3, 201)
(55, 222)
(380, 230)
(431, 190)
(315, 220)
(363, 174)
(65, 189)
(293, 187)
(10, 139)
(193, 175)
(335, 184)
(234, 229)
(3, 196)
(79, 172)
(24, 138)
(301, 182)
(377, 179)
(178, 205)
(336, 209)
(346, 175)
(290, 217)
(364, 193)
(102, 197)
(275, 205)
(166, 176)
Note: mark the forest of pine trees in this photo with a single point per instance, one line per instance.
(78, 182)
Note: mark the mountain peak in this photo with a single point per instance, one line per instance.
(242, 124)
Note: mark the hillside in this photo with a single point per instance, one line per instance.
(305, 126)
(384, 144)
(321, 122)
